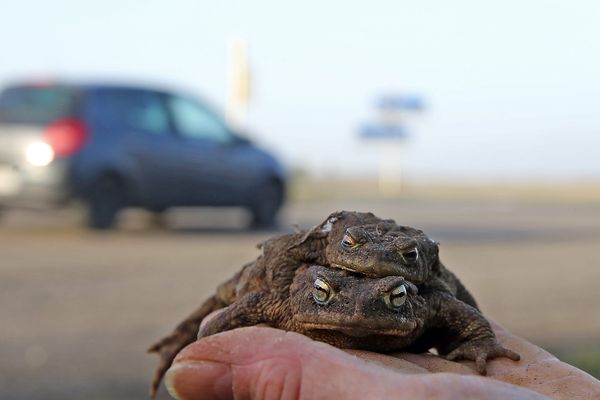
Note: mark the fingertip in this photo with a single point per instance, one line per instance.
(170, 379)
(199, 380)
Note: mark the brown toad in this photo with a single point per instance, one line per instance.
(363, 243)
(379, 314)
(354, 241)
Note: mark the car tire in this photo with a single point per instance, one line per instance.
(266, 205)
(105, 199)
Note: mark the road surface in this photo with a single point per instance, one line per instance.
(79, 308)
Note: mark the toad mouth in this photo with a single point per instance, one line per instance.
(375, 271)
(342, 266)
(362, 331)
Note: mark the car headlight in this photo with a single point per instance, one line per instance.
(39, 154)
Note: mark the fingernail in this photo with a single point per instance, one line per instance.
(199, 380)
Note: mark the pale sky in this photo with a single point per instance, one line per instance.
(512, 87)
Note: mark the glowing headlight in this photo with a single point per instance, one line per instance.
(39, 154)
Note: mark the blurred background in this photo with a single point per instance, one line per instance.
(139, 142)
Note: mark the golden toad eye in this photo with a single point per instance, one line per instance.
(322, 292)
(396, 297)
(348, 241)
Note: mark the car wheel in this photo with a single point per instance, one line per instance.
(105, 199)
(266, 205)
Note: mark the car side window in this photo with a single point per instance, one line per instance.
(137, 110)
(192, 120)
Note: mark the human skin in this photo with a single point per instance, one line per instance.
(267, 363)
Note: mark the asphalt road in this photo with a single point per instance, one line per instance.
(78, 308)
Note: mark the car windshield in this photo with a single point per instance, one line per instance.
(36, 105)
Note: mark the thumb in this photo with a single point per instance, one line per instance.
(256, 363)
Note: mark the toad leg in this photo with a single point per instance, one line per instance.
(251, 309)
(184, 334)
(471, 336)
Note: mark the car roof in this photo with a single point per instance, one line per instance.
(92, 85)
(88, 85)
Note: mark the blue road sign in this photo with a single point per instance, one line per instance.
(383, 131)
(400, 102)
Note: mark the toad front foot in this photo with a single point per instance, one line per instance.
(167, 349)
(480, 351)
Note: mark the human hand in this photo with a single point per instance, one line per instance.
(268, 363)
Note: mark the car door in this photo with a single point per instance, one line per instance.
(146, 138)
(212, 173)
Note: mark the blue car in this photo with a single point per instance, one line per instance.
(118, 146)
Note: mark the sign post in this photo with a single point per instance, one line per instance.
(388, 132)
(238, 84)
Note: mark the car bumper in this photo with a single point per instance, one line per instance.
(29, 186)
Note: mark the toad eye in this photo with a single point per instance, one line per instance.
(348, 241)
(411, 255)
(397, 297)
(322, 292)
